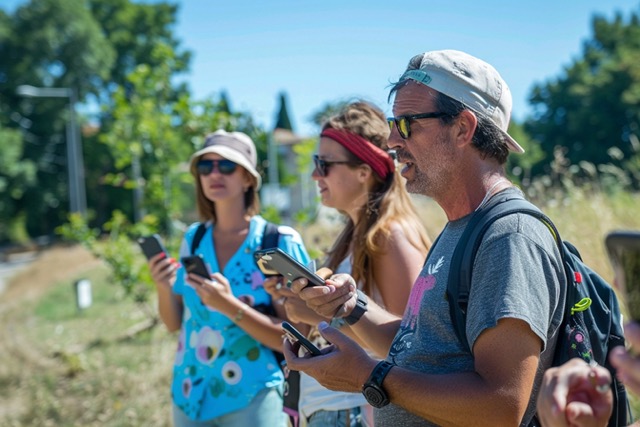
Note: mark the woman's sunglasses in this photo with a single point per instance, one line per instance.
(322, 166)
(224, 166)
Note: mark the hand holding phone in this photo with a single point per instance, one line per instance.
(151, 245)
(624, 253)
(195, 264)
(295, 336)
(275, 261)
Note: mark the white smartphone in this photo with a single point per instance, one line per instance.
(624, 253)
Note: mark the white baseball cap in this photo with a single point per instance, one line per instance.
(468, 80)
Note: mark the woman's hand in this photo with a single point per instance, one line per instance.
(294, 309)
(214, 292)
(273, 285)
(163, 270)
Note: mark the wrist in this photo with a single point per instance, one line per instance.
(230, 307)
(373, 389)
(359, 309)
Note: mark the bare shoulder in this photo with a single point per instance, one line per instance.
(395, 236)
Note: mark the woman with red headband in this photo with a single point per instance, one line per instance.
(382, 245)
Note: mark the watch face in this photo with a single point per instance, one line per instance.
(376, 397)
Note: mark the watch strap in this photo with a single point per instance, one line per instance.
(360, 308)
(372, 388)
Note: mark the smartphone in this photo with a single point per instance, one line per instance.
(274, 261)
(195, 264)
(623, 248)
(294, 335)
(151, 245)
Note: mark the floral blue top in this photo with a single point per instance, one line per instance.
(219, 368)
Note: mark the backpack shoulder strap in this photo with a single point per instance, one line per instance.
(271, 236)
(459, 282)
(197, 237)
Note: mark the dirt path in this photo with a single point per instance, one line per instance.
(35, 273)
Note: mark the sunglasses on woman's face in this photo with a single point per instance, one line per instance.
(322, 166)
(224, 166)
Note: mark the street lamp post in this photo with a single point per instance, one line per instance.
(75, 164)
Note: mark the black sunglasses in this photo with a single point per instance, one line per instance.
(322, 166)
(403, 123)
(225, 167)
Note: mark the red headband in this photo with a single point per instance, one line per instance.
(379, 160)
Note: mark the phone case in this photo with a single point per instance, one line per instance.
(275, 261)
(195, 264)
(151, 245)
(623, 248)
(293, 335)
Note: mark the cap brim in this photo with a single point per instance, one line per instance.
(512, 144)
(229, 154)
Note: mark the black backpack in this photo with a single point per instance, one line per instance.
(592, 311)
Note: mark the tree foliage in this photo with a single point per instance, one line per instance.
(282, 118)
(594, 105)
(46, 43)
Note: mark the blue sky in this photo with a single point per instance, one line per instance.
(321, 51)
(326, 51)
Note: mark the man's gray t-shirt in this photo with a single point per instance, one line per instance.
(517, 273)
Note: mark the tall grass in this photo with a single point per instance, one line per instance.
(61, 367)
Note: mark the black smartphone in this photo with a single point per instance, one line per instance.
(294, 336)
(195, 264)
(624, 253)
(274, 261)
(151, 245)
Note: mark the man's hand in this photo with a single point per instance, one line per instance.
(627, 362)
(336, 299)
(343, 366)
(575, 394)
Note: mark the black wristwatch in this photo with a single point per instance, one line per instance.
(359, 309)
(372, 388)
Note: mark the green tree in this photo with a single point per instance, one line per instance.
(594, 105)
(327, 110)
(282, 118)
(46, 43)
(15, 176)
(93, 47)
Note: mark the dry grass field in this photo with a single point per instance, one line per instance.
(63, 367)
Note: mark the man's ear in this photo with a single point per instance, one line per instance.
(466, 124)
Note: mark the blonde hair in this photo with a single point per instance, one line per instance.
(388, 201)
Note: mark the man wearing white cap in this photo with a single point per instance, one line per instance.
(451, 113)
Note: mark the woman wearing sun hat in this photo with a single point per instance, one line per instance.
(225, 372)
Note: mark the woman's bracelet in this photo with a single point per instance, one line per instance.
(239, 315)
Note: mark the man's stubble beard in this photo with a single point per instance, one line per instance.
(432, 183)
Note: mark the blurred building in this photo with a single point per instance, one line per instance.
(298, 191)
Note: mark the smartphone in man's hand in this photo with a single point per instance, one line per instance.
(624, 252)
(295, 336)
